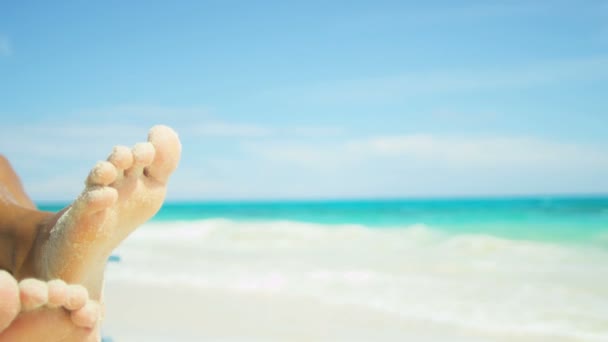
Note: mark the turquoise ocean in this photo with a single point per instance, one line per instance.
(523, 268)
(558, 220)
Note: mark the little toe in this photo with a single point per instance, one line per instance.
(9, 299)
(103, 173)
(33, 293)
(87, 316)
(77, 297)
(168, 151)
(96, 199)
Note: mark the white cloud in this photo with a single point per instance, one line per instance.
(71, 140)
(387, 88)
(479, 152)
(138, 113)
(297, 153)
(315, 131)
(270, 162)
(229, 130)
(6, 48)
(431, 165)
(55, 157)
(432, 149)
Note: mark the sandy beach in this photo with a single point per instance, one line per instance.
(145, 313)
(279, 280)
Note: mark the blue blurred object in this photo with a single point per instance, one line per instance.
(114, 258)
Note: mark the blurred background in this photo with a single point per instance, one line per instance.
(312, 99)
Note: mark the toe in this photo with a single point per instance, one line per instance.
(121, 157)
(58, 293)
(33, 294)
(87, 316)
(77, 297)
(9, 299)
(143, 154)
(103, 173)
(168, 151)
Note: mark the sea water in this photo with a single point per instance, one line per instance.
(495, 269)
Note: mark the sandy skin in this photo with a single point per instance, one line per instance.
(73, 245)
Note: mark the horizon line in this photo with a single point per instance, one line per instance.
(599, 195)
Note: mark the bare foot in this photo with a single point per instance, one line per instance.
(120, 194)
(59, 312)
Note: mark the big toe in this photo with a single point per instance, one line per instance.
(9, 299)
(168, 152)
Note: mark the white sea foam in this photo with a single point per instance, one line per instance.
(478, 283)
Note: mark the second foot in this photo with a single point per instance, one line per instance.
(53, 311)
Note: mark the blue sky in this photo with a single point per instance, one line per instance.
(316, 99)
